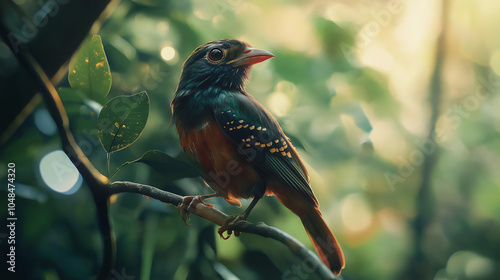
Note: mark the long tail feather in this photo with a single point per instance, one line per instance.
(324, 241)
(322, 238)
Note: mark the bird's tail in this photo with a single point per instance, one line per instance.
(323, 240)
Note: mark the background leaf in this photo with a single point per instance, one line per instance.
(122, 120)
(89, 69)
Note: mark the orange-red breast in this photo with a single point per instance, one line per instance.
(240, 148)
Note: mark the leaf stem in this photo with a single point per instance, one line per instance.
(118, 169)
(108, 156)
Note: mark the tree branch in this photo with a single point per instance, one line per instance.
(419, 267)
(95, 180)
(217, 217)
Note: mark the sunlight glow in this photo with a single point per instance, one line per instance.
(377, 58)
(356, 213)
(279, 103)
(292, 29)
(388, 141)
(495, 61)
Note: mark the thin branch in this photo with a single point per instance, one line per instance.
(419, 267)
(217, 217)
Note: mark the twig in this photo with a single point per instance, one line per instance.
(217, 217)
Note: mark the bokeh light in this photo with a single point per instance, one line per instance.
(59, 173)
(356, 213)
(279, 103)
(168, 53)
(469, 265)
(44, 122)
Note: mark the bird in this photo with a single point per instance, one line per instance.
(239, 147)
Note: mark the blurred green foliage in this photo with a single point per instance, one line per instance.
(357, 109)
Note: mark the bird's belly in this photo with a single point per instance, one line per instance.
(225, 170)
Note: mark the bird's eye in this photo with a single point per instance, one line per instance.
(215, 55)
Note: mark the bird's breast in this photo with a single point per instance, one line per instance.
(225, 170)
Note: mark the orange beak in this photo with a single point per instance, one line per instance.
(250, 56)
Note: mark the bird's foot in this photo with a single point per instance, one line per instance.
(188, 205)
(230, 223)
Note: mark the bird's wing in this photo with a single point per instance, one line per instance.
(260, 138)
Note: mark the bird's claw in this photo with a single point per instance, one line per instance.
(188, 205)
(229, 233)
(230, 223)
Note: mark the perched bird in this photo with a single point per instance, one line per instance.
(239, 147)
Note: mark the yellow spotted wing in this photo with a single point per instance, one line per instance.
(260, 138)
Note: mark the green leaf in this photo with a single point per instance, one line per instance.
(70, 95)
(89, 69)
(172, 168)
(122, 120)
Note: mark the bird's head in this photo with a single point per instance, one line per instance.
(224, 64)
